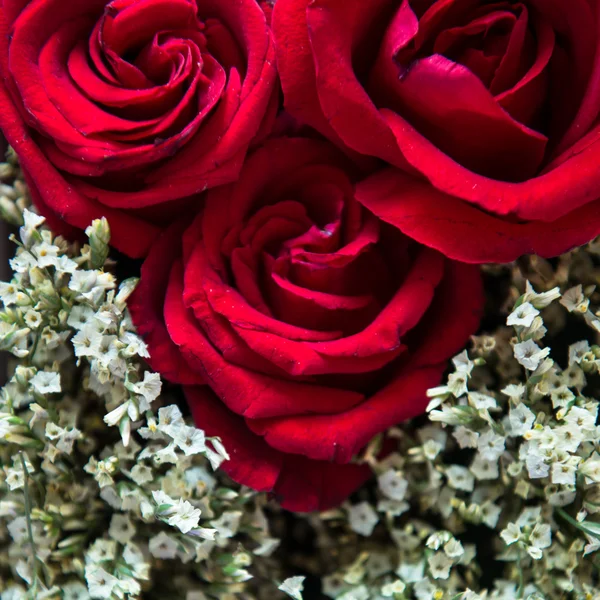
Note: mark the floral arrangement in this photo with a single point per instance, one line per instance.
(302, 300)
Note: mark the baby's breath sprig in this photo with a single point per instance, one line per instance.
(104, 487)
(505, 476)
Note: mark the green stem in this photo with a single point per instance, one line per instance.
(569, 519)
(28, 520)
(521, 589)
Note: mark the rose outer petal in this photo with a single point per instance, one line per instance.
(298, 484)
(462, 231)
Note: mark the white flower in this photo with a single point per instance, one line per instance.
(166, 455)
(267, 547)
(113, 418)
(121, 528)
(100, 583)
(490, 513)
(529, 516)
(561, 396)
(149, 388)
(393, 484)
(134, 345)
(15, 479)
(466, 438)
(75, 590)
(18, 529)
(482, 401)
(577, 351)
(591, 468)
(582, 418)
(529, 354)
(453, 548)
(457, 383)
(390, 589)
(540, 300)
(541, 536)
(169, 416)
(216, 458)
(87, 342)
(44, 382)
(183, 515)
(439, 565)
(63, 264)
(411, 572)
(47, 254)
(66, 437)
(459, 478)
(141, 474)
(523, 315)
(80, 316)
(537, 466)
(101, 551)
(189, 439)
(569, 437)
(9, 293)
(574, 300)
(449, 415)
(293, 587)
(490, 445)
(521, 420)
(163, 546)
(483, 468)
(564, 473)
(163, 499)
(424, 590)
(32, 222)
(514, 391)
(362, 518)
(463, 363)
(228, 523)
(394, 508)
(511, 534)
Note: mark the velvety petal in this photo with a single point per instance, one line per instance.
(546, 197)
(298, 484)
(590, 105)
(296, 67)
(343, 100)
(146, 307)
(245, 392)
(462, 231)
(61, 197)
(525, 100)
(576, 30)
(306, 485)
(195, 120)
(253, 462)
(314, 436)
(454, 110)
(437, 336)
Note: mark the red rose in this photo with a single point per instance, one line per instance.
(116, 107)
(314, 324)
(490, 107)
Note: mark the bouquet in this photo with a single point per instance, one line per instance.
(302, 299)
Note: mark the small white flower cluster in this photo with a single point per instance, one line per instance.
(92, 511)
(510, 477)
(108, 492)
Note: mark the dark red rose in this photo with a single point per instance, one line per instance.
(129, 108)
(314, 324)
(488, 109)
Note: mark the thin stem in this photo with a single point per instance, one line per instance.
(521, 589)
(569, 519)
(28, 520)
